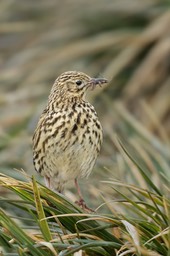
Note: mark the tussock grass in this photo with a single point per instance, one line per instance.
(47, 223)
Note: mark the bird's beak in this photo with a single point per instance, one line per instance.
(96, 81)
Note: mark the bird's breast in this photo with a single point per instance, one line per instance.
(70, 141)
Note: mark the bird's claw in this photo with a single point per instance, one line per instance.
(83, 205)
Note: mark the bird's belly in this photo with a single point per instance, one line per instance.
(74, 160)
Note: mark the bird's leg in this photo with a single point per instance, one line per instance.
(81, 201)
(78, 190)
(48, 185)
(47, 181)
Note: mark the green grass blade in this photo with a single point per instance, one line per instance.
(40, 212)
(23, 240)
(142, 169)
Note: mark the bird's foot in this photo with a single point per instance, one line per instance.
(83, 205)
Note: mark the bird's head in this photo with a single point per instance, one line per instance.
(75, 84)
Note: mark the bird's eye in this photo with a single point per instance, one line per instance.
(79, 82)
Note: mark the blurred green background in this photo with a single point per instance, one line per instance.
(125, 41)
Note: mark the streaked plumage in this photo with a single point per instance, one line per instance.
(68, 136)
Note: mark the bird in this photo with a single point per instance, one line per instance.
(68, 136)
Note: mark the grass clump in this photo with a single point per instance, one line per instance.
(43, 222)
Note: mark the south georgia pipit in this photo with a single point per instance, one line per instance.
(68, 136)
